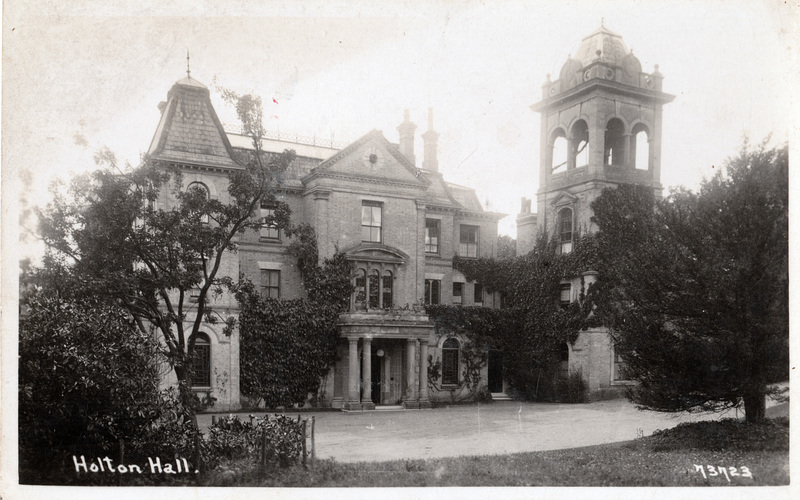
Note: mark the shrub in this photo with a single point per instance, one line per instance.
(570, 389)
(272, 440)
(86, 382)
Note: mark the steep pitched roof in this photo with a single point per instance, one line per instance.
(190, 131)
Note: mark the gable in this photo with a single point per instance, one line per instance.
(371, 158)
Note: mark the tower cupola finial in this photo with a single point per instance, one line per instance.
(188, 71)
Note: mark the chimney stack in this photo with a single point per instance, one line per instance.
(430, 138)
(406, 130)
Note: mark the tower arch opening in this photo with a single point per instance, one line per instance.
(614, 147)
(641, 147)
(579, 144)
(558, 151)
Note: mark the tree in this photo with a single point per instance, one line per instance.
(87, 379)
(164, 264)
(695, 287)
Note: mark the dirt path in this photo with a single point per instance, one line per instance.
(489, 429)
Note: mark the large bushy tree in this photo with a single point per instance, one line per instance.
(163, 264)
(87, 380)
(695, 287)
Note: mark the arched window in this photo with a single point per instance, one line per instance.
(579, 143)
(565, 230)
(641, 147)
(614, 152)
(361, 289)
(202, 187)
(450, 350)
(373, 289)
(558, 152)
(201, 361)
(388, 287)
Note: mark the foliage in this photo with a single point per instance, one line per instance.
(330, 283)
(152, 257)
(570, 389)
(729, 435)
(278, 437)
(506, 247)
(695, 287)
(288, 346)
(86, 381)
(533, 325)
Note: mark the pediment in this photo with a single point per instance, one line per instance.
(371, 158)
(564, 198)
(376, 252)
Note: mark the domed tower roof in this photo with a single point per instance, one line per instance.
(609, 45)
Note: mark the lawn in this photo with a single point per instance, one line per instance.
(722, 453)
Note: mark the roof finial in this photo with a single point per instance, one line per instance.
(602, 21)
(188, 71)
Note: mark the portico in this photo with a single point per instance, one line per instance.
(384, 360)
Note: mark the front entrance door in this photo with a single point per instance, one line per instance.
(377, 377)
(495, 371)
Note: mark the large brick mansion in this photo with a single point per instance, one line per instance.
(400, 224)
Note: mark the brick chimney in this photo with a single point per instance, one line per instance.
(429, 138)
(406, 130)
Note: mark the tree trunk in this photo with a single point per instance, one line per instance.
(755, 407)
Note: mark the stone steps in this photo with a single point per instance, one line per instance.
(501, 396)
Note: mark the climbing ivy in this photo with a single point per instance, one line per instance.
(288, 346)
(532, 325)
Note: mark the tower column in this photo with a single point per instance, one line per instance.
(352, 376)
(423, 374)
(366, 375)
(410, 399)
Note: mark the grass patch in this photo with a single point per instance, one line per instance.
(667, 458)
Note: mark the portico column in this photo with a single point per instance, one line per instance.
(352, 375)
(423, 374)
(411, 361)
(366, 375)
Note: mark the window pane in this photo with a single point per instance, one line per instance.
(565, 294)
(366, 216)
(376, 216)
(201, 363)
(478, 299)
(387, 290)
(458, 292)
(373, 290)
(436, 291)
(361, 287)
(450, 362)
(432, 235)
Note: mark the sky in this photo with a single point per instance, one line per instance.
(81, 75)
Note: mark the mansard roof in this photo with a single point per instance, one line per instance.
(189, 131)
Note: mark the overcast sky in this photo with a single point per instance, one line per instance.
(84, 69)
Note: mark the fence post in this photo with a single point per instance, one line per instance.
(305, 422)
(121, 458)
(213, 419)
(313, 444)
